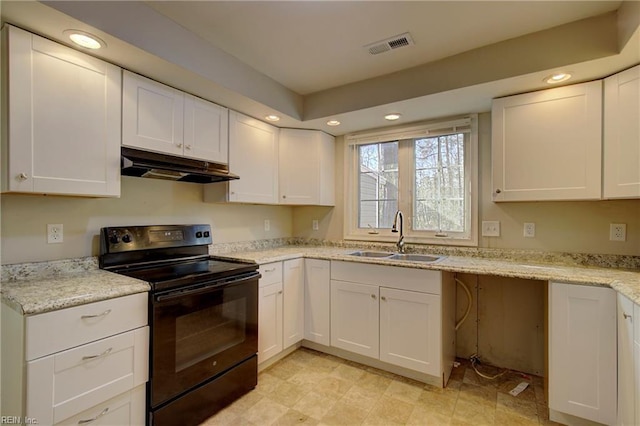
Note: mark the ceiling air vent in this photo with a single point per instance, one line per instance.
(391, 43)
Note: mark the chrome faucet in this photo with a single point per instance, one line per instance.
(400, 243)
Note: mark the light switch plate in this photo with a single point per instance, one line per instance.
(490, 228)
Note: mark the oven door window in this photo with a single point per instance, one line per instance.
(196, 337)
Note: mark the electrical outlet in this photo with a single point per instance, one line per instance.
(55, 233)
(267, 225)
(490, 228)
(529, 230)
(617, 232)
(314, 224)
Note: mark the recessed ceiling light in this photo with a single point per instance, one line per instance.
(557, 77)
(85, 39)
(272, 117)
(392, 117)
(333, 123)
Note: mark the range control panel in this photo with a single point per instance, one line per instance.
(118, 239)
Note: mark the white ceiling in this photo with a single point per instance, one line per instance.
(305, 61)
(310, 46)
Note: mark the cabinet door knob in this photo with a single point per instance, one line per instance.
(373, 296)
(284, 196)
(188, 146)
(627, 316)
(23, 176)
(280, 292)
(498, 191)
(179, 145)
(383, 298)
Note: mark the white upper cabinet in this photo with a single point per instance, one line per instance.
(253, 155)
(306, 167)
(159, 118)
(547, 145)
(63, 125)
(622, 135)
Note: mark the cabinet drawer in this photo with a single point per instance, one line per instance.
(67, 383)
(59, 330)
(411, 279)
(271, 273)
(127, 408)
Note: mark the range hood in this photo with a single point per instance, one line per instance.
(135, 162)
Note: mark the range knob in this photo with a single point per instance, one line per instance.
(126, 238)
(199, 234)
(114, 239)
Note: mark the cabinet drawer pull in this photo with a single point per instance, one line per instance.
(270, 270)
(84, 422)
(23, 176)
(105, 353)
(105, 313)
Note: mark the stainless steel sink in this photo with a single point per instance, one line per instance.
(378, 254)
(415, 257)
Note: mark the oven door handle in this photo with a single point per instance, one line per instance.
(205, 289)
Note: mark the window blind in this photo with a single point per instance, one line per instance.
(462, 125)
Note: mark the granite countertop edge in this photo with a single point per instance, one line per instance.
(39, 287)
(623, 281)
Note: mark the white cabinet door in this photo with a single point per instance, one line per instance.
(293, 316)
(547, 145)
(253, 155)
(622, 135)
(206, 130)
(269, 321)
(355, 318)
(410, 332)
(66, 383)
(63, 120)
(127, 408)
(152, 115)
(306, 172)
(582, 351)
(317, 290)
(626, 370)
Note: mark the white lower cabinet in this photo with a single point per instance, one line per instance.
(127, 408)
(396, 315)
(400, 310)
(582, 353)
(317, 300)
(79, 363)
(355, 318)
(628, 362)
(66, 383)
(293, 312)
(280, 307)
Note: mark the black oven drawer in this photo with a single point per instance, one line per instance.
(209, 398)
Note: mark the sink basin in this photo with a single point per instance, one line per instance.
(371, 254)
(415, 257)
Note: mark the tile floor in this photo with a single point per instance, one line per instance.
(312, 388)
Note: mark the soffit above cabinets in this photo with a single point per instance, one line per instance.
(305, 61)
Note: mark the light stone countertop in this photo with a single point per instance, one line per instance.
(623, 281)
(33, 288)
(39, 287)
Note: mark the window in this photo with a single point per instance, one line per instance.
(428, 172)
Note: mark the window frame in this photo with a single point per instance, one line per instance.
(405, 136)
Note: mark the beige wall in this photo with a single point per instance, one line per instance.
(576, 226)
(143, 201)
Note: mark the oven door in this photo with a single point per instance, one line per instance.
(200, 332)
